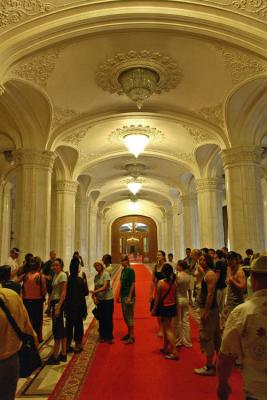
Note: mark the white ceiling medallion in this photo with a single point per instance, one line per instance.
(136, 137)
(139, 75)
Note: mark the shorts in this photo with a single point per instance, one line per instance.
(210, 337)
(58, 324)
(128, 311)
(167, 311)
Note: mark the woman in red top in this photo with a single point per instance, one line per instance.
(165, 308)
(33, 293)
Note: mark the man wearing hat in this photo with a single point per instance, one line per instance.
(245, 338)
(12, 262)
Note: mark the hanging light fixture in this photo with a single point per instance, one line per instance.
(139, 84)
(136, 142)
(134, 186)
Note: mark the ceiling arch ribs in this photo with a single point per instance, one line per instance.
(198, 19)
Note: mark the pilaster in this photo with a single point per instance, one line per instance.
(33, 200)
(209, 196)
(5, 220)
(244, 197)
(190, 220)
(81, 227)
(92, 235)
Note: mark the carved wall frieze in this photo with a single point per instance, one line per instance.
(209, 184)
(254, 7)
(198, 135)
(84, 156)
(63, 115)
(155, 135)
(213, 114)
(15, 11)
(166, 67)
(38, 68)
(34, 158)
(241, 65)
(241, 155)
(66, 186)
(77, 136)
(187, 157)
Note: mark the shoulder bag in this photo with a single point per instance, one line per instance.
(29, 357)
(159, 305)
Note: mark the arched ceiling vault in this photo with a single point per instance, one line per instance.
(50, 97)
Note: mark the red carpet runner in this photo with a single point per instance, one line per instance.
(139, 371)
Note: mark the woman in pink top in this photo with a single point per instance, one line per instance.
(165, 308)
(33, 293)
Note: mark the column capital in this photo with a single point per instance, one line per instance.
(35, 158)
(241, 155)
(93, 211)
(187, 197)
(208, 184)
(66, 186)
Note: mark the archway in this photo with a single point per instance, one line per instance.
(135, 235)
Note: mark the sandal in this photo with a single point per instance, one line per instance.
(164, 351)
(171, 357)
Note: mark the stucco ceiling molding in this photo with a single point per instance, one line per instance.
(213, 114)
(154, 134)
(167, 68)
(255, 7)
(13, 12)
(63, 115)
(2, 90)
(198, 135)
(39, 67)
(240, 64)
(76, 136)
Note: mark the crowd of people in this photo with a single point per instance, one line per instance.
(212, 284)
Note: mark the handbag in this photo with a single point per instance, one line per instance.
(95, 313)
(29, 357)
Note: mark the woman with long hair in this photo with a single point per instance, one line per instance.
(59, 286)
(104, 299)
(33, 293)
(165, 308)
(157, 275)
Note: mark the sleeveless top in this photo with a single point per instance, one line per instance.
(235, 296)
(204, 293)
(32, 286)
(170, 300)
(158, 275)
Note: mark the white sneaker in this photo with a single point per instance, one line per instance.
(205, 371)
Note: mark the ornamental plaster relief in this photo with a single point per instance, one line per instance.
(39, 67)
(213, 114)
(17, 11)
(209, 184)
(198, 135)
(63, 115)
(77, 136)
(66, 187)
(257, 8)
(241, 65)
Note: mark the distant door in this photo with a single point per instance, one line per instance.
(136, 236)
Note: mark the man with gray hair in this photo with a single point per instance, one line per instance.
(245, 338)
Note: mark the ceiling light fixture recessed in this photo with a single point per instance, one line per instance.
(134, 186)
(136, 143)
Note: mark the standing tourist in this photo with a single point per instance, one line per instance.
(59, 286)
(245, 338)
(209, 316)
(165, 308)
(157, 275)
(13, 263)
(10, 344)
(127, 298)
(49, 273)
(104, 299)
(183, 337)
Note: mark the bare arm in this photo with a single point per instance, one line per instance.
(224, 369)
(211, 285)
(239, 280)
(63, 289)
(158, 297)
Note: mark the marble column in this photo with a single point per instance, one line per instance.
(190, 220)
(244, 198)
(33, 200)
(65, 219)
(92, 235)
(81, 227)
(209, 198)
(264, 194)
(5, 220)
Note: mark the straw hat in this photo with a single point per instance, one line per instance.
(259, 265)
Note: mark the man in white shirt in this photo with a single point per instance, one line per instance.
(245, 338)
(12, 262)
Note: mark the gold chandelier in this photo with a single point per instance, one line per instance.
(139, 84)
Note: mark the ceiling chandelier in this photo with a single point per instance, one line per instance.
(136, 143)
(134, 185)
(139, 84)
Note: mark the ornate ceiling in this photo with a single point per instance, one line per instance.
(59, 89)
